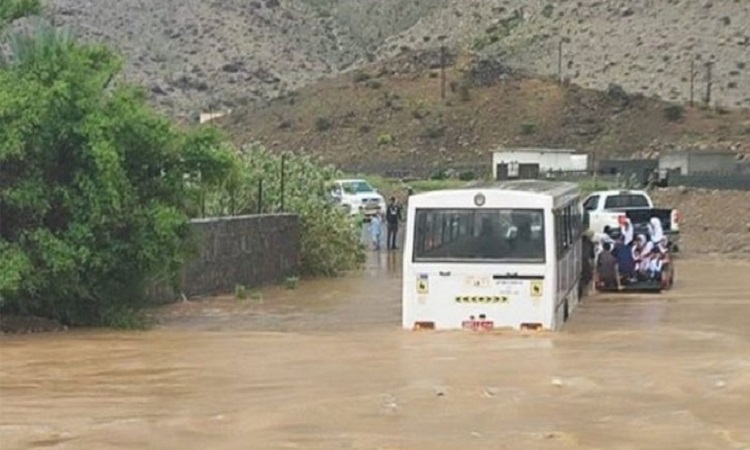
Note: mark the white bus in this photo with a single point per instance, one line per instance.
(502, 255)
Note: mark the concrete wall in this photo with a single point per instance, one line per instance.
(247, 250)
(712, 162)
(728, 181)
(698, 162)
(627, 166)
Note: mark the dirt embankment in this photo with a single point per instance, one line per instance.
(394, 113)
(714, 222)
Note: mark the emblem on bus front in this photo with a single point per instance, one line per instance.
(479, 199)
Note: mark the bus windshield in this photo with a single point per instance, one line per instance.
(479, 235)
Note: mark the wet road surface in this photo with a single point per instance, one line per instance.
(326, 366)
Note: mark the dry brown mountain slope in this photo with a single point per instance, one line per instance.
(400, 117)
(644, 45)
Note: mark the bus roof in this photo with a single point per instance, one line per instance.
(552, 188)
(540, 193)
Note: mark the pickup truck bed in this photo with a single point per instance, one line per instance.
(605, 208)
(640, 218)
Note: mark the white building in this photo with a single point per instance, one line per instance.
(533, 162)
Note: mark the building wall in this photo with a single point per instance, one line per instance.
(548, 161)
(712, 162)
(247, 250)
(674, 161)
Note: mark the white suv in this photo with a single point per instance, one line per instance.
(358, 196)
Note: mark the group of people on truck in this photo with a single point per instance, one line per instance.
(622, 258)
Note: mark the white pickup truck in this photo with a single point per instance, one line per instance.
(357, 196)
(603, 209)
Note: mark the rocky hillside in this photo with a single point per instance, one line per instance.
(199, 55)
(645, 46)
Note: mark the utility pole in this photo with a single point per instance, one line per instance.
(283, 173)
(442, 71)
(559, 61)
(692, 80)
(709, 65)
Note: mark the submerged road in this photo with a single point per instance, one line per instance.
(327, 366)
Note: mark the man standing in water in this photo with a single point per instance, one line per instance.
(393, 217)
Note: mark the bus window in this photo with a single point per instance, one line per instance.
(479, 235)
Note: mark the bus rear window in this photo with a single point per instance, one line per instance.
(626, 201)
(479, 235)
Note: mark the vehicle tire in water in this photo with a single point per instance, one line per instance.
(668, 280)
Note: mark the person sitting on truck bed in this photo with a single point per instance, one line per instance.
(642, 247)
(643, 266)
(656, 263)
(607, 267)
(641, 255)
(600, 239)
(627, 231)
(655, 230)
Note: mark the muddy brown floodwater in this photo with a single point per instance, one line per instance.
(327, 367)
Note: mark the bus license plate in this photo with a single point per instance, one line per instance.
(479, 282)
(478, 325)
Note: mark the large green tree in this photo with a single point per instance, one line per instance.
(93, 183)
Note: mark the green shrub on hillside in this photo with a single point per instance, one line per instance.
(440, 174)
(359, 76)
(528, 128)
(323, 124)
(11, 10)
(467, 175)
(434, 132)
(674, 112)
(385, 139)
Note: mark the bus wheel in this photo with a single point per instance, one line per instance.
(566, 311)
